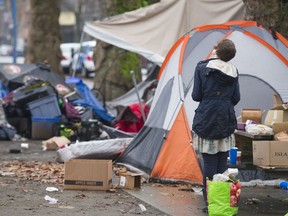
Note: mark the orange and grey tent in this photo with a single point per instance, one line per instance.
(162, 149)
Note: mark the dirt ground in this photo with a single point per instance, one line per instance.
(25, 177)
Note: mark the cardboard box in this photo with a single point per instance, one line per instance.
(270, 153)
(279, 127)
(85, 174)
(251, 114)
(281, 136)
(276, 115)
(129, 180)
(276, 100)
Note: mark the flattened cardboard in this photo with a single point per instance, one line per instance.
(85, 174)
(270, 153)
(55, 142)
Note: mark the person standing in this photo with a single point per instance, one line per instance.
(216, 87)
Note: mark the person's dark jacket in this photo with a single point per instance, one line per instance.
(216, 87)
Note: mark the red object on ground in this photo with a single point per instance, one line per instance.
(130, 119)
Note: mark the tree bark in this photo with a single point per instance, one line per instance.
(108, 79)
(106, 57)
(268, 13)
(109, 60)
(44, 37)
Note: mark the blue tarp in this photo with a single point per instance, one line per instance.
(3, 90)
(89, 100)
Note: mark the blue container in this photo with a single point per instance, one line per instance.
(42, 128)
(283, 185)
(233, 155)
(46, 107)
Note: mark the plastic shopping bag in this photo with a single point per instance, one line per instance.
(223, 198)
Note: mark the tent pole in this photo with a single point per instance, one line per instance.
(137, 92)
(79, 53)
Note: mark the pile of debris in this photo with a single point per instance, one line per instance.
(34, 170)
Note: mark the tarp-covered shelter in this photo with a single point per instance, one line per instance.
(150, 31)
(16, 75)
(142, 88)
(89, 100)
(163, 149)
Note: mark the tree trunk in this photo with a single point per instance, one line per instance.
(107, 78)
(113, 65)
(268, 13)
(44, 37)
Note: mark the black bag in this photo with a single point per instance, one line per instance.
(67, 129)
(90, 131)
(7, 133)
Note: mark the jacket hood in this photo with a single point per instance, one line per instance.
(225, 67)
(226, 73)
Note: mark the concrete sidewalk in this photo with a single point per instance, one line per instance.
(171, 200)
(254, 200)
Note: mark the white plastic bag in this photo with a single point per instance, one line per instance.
(258, 129)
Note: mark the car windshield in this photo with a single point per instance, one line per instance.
(86, 49)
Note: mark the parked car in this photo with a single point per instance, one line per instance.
(6, 54)
(83, 60)
(68, 50)
(5, 49)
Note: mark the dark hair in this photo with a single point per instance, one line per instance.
(225, 50)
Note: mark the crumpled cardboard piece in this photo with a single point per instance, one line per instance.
(55, 143)
(281, 136)
(279, 127)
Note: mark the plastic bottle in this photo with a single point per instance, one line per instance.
(283, 185)
(238, 159)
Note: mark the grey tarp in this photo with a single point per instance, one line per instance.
(152, 30)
